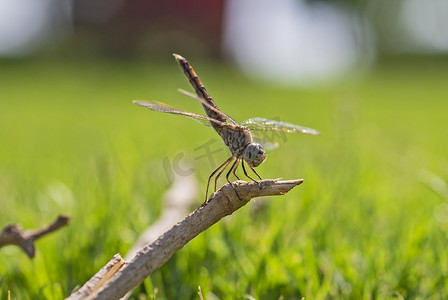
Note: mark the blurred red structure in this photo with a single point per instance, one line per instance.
(151, 28)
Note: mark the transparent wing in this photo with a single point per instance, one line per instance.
(261, 124)
(266, 143)
(229, 119)
(165, 108)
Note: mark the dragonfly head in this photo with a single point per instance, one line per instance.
(254, 154)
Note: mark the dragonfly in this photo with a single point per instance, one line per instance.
(238, 137)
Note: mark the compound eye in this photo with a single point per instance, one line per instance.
(254, 154)
(250, 155)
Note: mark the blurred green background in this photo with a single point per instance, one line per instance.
(370, 220)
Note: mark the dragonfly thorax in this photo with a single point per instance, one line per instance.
(236, 138)
(254, 154)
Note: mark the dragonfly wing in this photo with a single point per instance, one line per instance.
(229, 119)
(266, 143)
(162, 107)
(261, 124)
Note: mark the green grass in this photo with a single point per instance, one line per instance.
(364, 225)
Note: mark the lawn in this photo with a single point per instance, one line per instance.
(370, 220)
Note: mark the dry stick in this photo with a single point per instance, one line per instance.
(176, 203)
(222, 203)
(14, 235)
(104, 274)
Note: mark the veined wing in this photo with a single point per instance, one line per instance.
(261, 124)
(218, 111)
(165, 108)
(266, 143)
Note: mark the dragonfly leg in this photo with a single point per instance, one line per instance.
(236, 167)
(245, 173)
(254, 171)
(226, 163)
(235, 164)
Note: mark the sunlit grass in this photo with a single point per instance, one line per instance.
(362, 226)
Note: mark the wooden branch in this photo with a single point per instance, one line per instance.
(104, 274)
(220, 204)
(176, 203)
(14, 235)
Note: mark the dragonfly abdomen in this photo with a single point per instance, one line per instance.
(199, 88)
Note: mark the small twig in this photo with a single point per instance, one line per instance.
(177, 200)
(100, 277)
(13, 234)
(222, 203)
(200, 293)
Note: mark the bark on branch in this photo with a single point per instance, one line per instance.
(14, 235)
(220, 204)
